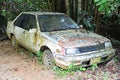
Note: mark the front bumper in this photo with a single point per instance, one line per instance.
(84, 59)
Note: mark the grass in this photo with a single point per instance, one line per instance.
(31, 55)
(105, 76)
(116, 59)
(39, 57)
(72, 69)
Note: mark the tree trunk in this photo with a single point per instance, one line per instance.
(71, 8)
(62, 6)
(53, 5)
(67, 7)
(79, 9)
(96, 19)
(49, 5)
(57, 5)
(76, 10)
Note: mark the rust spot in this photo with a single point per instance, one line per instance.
(41, 40)
(61, 43)
(63, 50)
(35, 38)
(62, 66)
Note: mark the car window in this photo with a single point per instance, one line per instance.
(55, 23)
(21, 20)
(26, 21)
(30, 22)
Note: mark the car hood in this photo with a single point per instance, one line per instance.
(74, 38)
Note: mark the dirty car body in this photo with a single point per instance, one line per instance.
(67, 42)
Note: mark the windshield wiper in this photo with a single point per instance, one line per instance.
(68, 28)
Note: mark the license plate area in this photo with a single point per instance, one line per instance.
(95, 60)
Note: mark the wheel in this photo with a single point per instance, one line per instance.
(48, 59)
(14, 42)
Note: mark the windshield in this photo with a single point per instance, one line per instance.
(55, 23)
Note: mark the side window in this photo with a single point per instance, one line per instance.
(30, 23)
(21, 20)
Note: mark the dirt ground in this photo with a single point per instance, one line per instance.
(16, 64)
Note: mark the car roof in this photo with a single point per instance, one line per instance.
(42, 13)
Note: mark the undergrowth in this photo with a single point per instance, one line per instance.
(116, 59)
(72, 69)
(39, 56)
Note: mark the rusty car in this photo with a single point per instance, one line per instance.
(59, 38)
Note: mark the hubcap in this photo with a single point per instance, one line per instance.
(47, 61)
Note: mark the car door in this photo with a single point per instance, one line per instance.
(31, 35)
(20, 29)
(26, 31)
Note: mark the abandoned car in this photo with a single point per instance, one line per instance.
(59, 38)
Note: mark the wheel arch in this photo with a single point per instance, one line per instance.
(43, 48)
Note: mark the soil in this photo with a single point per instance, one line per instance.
(16, 64)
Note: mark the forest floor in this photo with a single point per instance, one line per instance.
(16, 64)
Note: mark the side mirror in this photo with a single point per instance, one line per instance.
(33, 30)
(81, 26)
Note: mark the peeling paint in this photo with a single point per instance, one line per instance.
(71, 38)
(58, 41)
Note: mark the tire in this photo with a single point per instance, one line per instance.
(14, 42)
(48, 59)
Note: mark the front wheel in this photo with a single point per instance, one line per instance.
(48, 59)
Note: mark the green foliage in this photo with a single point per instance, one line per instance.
(39, 56)
(60, 72)
(107, 7)
(11, 8)
(106, 76)
(82, 69)
(31, 55)
(87, 20)
(71, 69)
(19, 1)
(116, 59)
(93, 67)
(114, 40)
(89, 25)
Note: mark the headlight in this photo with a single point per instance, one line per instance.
(71, 51)
(108, 45)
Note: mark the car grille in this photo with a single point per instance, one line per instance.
(92, 48)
